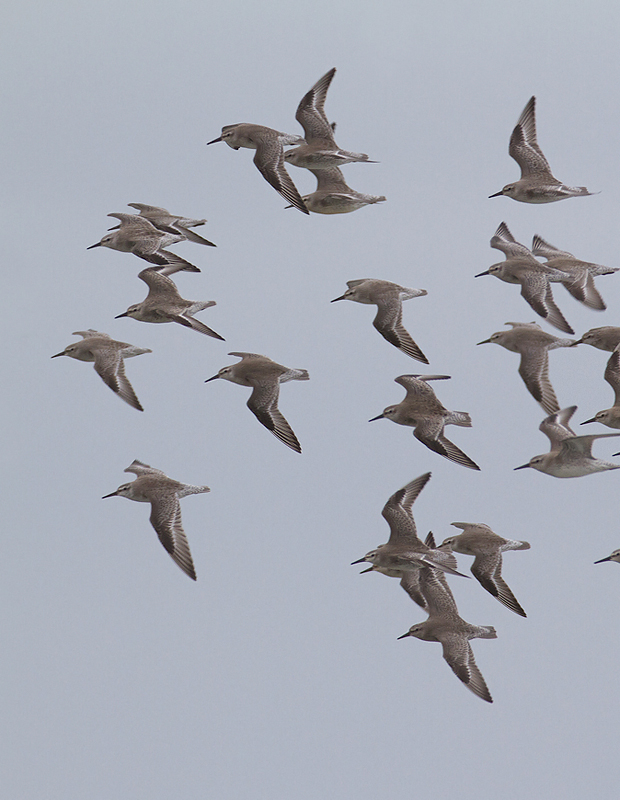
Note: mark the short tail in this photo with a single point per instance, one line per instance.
(460, 418)
(488, 632)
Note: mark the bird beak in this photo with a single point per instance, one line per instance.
(359, 561)
(574, 344)
(404, 636)
(58, 354)
(212, 379)
(124, 314)
(375, 418)
(484, 341)
(370, 569)
(600, 561)
(523, 466)
(335, 300)
(219, 139)
(480, 274)
(497, 194)
(588, 420)
(113, 494)
(94, 245)
(291, 206)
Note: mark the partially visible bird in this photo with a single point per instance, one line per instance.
(521, 267)
(480, 541)
(139, 236)
(320, 148)
(610, 416)
(333, 196)
(445, 625)
(580, 282)
(570, 455)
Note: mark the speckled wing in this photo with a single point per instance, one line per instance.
(460, 657)
(165, 258)
(543, 249)
(581, 286)
(269, 161)
(196, 325)
(389, 324)
(439, 598)
(263, 403)
(161, 287)
(534, 370)
(111, 369)
(487, 570)
(410, 582)
(417, 388)
(612, 374)
(583, 444)
(524, 147)
(429, 431)
(92, 334)
(311, 113)
(398, 515)
(536, 290)
(166, 519)
(331, 180)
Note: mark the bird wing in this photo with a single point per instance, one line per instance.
(140, 468)
(504, 241)
(460, 657)
(161, 287)
(524, 147)
(536, 290)
(389, 324)
(111, 369)
(429, 431)
(612, 374)
(311, 113)
(543, 249)
(534, 370)
(263, 403)
(269, 161)
(398, 515)
(487, 570)
(166, 519)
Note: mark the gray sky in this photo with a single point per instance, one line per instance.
(278, 674)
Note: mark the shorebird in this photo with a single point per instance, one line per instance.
(610, 416)
(537, 184)
(320, 149)
(108, 355)
(265, 377)
(164, 221)
(388, 297)
(333, 196)
(521, 267)
(404, 554)
(581, 273)
(155, 487)
(615, 556)
(422, 411)
(480, 541)
(570, 455)
(604, 338)
(163, 303)
(528, 339)
(269, 158)
(139, 236)
(445, 625)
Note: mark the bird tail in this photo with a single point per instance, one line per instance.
(460, 418)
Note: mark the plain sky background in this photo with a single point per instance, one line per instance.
(279, 674)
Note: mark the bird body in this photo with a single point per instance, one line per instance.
(333, 196)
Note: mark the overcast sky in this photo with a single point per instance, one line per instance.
(279, 674)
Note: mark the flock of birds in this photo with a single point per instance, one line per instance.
(421, 566)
